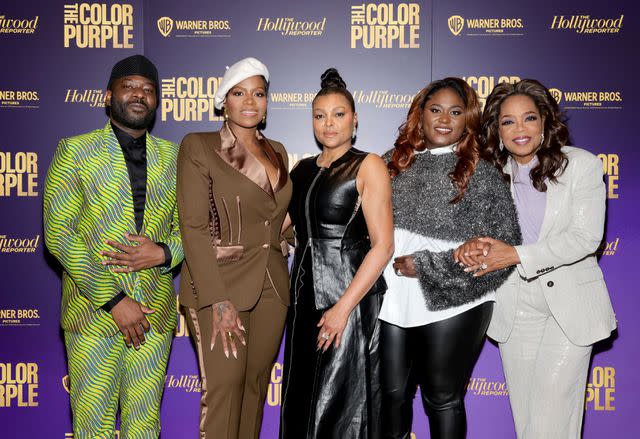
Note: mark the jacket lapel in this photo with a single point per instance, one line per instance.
(154, 183)
(277, 160)
(554, 198)
(118, 186)
(237, 156)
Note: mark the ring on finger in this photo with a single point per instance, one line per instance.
(483, 266)
(230, 335)
(325, 336)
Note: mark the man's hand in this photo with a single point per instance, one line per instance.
(130, 317)
(143, 254)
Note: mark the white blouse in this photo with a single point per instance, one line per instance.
(403, 303)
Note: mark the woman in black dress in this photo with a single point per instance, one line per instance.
(342, 217)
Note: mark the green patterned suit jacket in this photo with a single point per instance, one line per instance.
(87, 200)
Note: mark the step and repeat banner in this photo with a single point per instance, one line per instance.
(57, 57)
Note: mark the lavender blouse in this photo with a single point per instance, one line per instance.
(530, 203)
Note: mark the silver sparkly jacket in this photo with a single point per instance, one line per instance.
(421, 204)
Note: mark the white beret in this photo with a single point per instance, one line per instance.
(243, 69)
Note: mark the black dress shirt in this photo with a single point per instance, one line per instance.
(135, 157)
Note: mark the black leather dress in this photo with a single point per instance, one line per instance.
(335, 394)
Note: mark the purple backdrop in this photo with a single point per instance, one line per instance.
(58, 55)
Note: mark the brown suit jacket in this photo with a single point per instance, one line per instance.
(230, 220)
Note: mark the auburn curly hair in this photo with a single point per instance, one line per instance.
(552, 161)
(411, 135)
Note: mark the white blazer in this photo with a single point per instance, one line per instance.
(563, 262)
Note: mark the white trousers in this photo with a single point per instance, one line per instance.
(546, 374)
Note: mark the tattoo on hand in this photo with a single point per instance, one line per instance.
(222, 308)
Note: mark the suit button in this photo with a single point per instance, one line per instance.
(265, 246)
(267, 222)
(550, 283)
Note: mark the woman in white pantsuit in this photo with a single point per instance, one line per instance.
(555, 305)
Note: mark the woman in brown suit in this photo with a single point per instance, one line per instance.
(233, 192)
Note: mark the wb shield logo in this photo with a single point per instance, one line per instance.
(557, 94)
(456, 24)
(165, 26)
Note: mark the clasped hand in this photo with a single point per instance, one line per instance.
(143, 254)
(482, 255)
(131, 319)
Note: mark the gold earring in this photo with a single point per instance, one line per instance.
(225, 115)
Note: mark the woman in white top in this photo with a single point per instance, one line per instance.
(435, 314)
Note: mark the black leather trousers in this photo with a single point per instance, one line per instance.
(439, 357)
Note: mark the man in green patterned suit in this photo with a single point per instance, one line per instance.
(110, 218)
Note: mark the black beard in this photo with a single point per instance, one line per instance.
(119, 114)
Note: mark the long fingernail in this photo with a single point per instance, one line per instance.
(461, 264)
(235, 355)
(466, 270)
(212, 345)
(226, 353)
(244, 342)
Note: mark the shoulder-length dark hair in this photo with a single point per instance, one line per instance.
(411, 135)
(552, 161)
